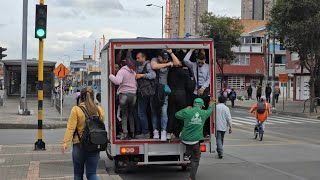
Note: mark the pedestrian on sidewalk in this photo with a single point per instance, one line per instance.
(233, 97)
(277, 93)
(249, 91)
(259, 92)
(81, 157)
(78, 96)
(71, 89)
(223, 121)
(268, 92)
(192, 133)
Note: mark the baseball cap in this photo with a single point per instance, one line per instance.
(198, 101)
(263, 98)
(164, 54)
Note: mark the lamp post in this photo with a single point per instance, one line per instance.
(82, 74)
(161, 16)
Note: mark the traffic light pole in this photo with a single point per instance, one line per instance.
(23, 90)
(40, 145)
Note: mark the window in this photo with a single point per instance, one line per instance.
(236, 82)
(242, 59)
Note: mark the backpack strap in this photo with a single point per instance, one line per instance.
(145, 68)
(87, 116)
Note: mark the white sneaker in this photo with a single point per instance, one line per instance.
(169, 136)
(156, 134)
(163, 135)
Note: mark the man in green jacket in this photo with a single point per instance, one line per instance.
(192, 132)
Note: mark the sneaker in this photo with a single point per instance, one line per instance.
(142, 136)
(119, 135)
(124, 136)
(173, 136)
(156, 134)
(187, 158)
(168, 136)
(163, 135)
(220, 156)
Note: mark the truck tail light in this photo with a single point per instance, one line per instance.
(203, 148)
(129, 150)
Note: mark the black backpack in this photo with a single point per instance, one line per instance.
(94, 137)
(146, 87)
(261, 107)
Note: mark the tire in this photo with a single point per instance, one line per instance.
(108, 151)
(260, 134)
(116, 166)
(184, 167)
(255, 133)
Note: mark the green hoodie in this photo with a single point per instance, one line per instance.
(194, 119)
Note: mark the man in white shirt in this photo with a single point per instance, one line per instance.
(223, 121)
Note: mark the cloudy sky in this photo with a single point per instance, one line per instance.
(74, 23)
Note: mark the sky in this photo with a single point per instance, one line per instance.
(73, 24)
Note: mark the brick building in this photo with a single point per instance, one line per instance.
(249, 66)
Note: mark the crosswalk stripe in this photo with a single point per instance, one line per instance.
(269, 122)
(301, 119)
(234, 123)
(283, 121)
(248, 120)
(242, 122)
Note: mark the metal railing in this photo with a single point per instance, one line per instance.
(314, 101)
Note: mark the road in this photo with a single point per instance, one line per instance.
(289, 151)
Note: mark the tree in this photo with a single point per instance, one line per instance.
(225, 32)
(297, 23)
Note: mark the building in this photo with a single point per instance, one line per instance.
(193, 9)
(12, 77)
(300, 77)
(249, 66)
(85, 72)
(256, 9)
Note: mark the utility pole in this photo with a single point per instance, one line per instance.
(23, 89)
(187, 17)
(181, 19)
(273, 71)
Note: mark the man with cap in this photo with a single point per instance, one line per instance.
(192, 132)
(223, 121)
(161, 65)
(261, 116)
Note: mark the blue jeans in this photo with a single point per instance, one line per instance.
(143, 103)
(89, 159)
(220, 139)
(164, 114)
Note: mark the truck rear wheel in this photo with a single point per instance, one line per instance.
(184, 167)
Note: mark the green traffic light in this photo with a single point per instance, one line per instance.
(40, 32)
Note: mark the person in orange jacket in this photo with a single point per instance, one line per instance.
(261, 110)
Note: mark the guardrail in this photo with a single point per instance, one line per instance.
(314, 102)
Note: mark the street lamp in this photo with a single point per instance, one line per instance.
(161, 16)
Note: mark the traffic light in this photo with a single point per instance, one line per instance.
(1, 51)
(41, 21)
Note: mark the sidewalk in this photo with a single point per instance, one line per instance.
(20, 162)
(292, 108)
(10, 119)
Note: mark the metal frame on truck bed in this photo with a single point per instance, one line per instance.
(147, 151)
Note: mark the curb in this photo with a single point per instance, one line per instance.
(31, 126)
(302, 115)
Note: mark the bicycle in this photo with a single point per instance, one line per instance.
(258, 130)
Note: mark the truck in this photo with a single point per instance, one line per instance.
(139, 152)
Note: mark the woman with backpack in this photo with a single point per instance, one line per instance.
(75, 130)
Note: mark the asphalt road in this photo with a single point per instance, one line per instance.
(289, 151)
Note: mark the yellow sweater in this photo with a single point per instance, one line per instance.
(76, 119)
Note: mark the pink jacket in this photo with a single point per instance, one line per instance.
(126, 79)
